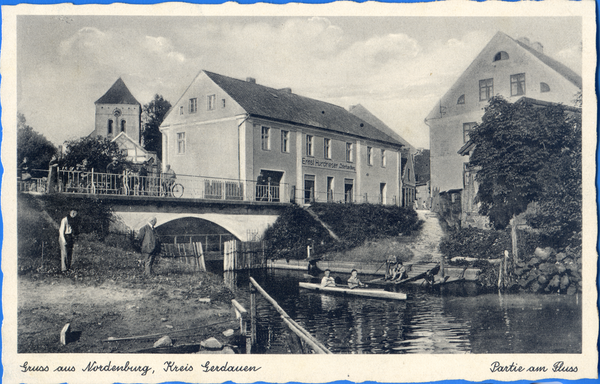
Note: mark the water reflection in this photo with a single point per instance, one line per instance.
(457, 320)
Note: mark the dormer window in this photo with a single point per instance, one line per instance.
(544, 87)
(461, 99)
(501, 56)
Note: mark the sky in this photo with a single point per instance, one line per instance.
(396, 67)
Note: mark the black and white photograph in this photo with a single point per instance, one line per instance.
(289, 181)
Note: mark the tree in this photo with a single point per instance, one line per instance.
(153, 115)
(96, 152)
(522, 150)
(32, 145)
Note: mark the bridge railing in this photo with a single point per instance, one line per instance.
(192, 187)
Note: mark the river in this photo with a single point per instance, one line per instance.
(458, 319)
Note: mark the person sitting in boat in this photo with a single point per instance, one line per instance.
(327, 281)
(390, 264)
(399, 272)
(353, 281)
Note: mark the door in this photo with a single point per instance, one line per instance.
(348, 190)
(309, 189)
(330, 193)
(382, 193)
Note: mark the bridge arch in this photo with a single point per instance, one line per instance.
(238, 225)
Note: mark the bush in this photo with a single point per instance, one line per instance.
(357, 223)
(486, 244)
(353, 224)
(121, 241)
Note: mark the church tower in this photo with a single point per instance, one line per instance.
(118, 111)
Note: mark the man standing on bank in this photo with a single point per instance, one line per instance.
(149, 245)
(66, 240)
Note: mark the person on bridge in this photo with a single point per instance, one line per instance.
(168, 178)
(327, 280)
(149, 245)
(66, 240)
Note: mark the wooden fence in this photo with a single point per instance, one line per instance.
(239, 255)
(188, 253)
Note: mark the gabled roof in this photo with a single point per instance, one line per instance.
(559, 67)
(282, 105)
(498, 38)
(118, 94)
(366, 115)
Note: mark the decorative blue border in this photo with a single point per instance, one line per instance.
(549, 381)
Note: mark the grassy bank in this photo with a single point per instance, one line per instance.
(106, 294)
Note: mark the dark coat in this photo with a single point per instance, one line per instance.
(148, 239)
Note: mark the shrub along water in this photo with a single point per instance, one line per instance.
(538, 269)
(353, 224)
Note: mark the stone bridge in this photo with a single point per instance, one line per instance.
(238, 217)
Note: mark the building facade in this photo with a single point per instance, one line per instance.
(234, 129)
(507, 67)
(407, 170)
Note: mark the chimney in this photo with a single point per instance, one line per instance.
(251, 80)
(286, 90)
(524, 40)
(538, 47)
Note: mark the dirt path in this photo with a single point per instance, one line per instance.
(109, 310)
(425, 245)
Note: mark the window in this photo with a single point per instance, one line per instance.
(461, 99)
(309, 145)
(110, 127)
(467, 128)
(517, 84)
(486, 89)
(123, 125)
(265, 138)
(383, 159)
(349, 153)
(193, 105)
(181, 109)
(369, 156)
(223, 103)
(210, 102)
(501, 56)
(285, 141)
(327, 148)
(544, 87)
(181, 142)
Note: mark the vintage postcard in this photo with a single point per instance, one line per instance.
(313, 193)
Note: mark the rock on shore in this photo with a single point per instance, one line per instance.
(547, 272)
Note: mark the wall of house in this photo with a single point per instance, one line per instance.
(213, 144)
(372, 176)
(130, 113)
(446, 120)
(273, 157)
(210, 150)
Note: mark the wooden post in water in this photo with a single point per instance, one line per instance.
(252, 314)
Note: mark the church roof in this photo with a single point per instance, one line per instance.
(283, 105)
(118, 94)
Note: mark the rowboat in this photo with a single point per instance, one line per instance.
(429, 273)
(374, 293)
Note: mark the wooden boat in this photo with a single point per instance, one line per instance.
(374, 293)
(382, 282)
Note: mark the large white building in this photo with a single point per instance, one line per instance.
(507, 67)
(239, 130)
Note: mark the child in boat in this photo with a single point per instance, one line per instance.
(353, 281)
(390, 264)
(327, 281)
(399, 272)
